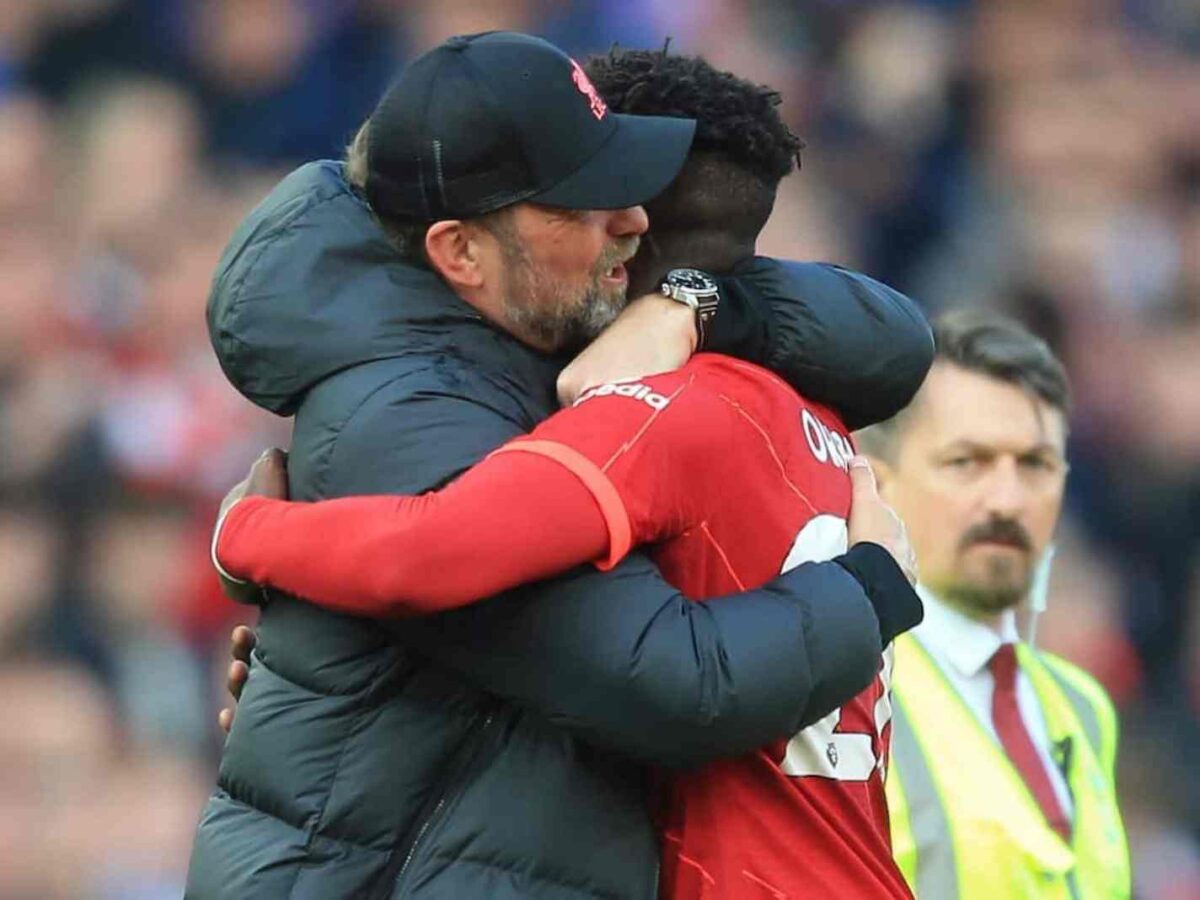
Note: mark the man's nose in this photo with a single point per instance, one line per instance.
(632, 220)
(1006, 493)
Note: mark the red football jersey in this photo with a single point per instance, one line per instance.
(804, 817)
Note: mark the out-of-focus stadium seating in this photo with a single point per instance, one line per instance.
(1039, 156)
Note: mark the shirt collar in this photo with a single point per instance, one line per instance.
(966, 643)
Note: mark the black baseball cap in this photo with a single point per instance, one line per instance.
(487, 120)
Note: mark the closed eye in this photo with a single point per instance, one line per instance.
(1038, 462)
(959, 462)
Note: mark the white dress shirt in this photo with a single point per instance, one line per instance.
(962, 648)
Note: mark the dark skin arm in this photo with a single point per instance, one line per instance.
(241, 643)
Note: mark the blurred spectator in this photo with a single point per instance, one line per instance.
(27, 553)
(281, 80)
(56, 750)
(1042, 156)
(135, 571)
(85, 814)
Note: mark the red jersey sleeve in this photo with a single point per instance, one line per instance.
(509, 520)
(641, 448)
(616, 470)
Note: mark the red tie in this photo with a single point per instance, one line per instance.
(1015, 739)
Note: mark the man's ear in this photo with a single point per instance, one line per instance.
(453, 250)
(884, 475)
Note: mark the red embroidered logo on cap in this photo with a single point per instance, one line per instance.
(599, 107)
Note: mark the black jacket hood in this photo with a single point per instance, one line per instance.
(309, 285)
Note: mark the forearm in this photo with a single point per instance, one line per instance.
(622, 659)
(514, 518)
(628, 663)
(837, 336)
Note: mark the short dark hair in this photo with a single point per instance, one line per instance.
(1002, 348)
(742, 148)
(990, 344)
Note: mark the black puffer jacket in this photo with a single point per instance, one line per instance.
(495, 752)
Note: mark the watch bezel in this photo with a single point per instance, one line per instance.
(680, 278)
(703, 300)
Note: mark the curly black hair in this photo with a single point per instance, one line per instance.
(711, 214)
(734, 117)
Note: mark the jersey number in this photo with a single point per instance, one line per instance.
(825, 748)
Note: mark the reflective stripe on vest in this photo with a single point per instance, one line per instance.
(976, 831)
(937, 875)
(1083, 709)
(1067, 694)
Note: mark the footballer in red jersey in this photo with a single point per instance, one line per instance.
(731, 477)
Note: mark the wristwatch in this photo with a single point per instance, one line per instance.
(697, 290)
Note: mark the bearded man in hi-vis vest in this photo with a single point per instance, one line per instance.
(1001, 780)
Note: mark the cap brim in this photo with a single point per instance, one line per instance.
(642, 157)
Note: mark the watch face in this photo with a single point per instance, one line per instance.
(691, 280)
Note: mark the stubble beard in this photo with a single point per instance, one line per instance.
(1003, 585)
(554, 315)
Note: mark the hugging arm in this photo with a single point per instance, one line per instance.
(514, 518)
(837, 336)
(534, 508)
(622, 658)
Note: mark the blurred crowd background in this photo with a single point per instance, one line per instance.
(1039, 156)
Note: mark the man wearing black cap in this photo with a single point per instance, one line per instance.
(490, 138)
(440, 758)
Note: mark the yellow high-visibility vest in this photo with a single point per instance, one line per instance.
(965, 826)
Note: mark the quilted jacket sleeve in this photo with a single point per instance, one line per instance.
(837, 336)
(622, 658)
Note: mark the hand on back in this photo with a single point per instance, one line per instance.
(267, 478)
